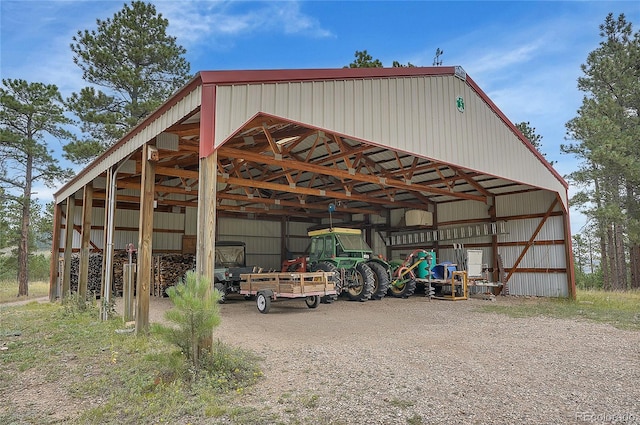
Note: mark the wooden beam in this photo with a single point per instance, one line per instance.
(309, 191)
(85, 236)
(54, 266)
(145, 242)
(271, 201)
(175, 172)
(68, 249)
(344, 174)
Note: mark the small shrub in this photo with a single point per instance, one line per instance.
(195, 316)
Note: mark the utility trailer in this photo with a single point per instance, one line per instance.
(267, 287)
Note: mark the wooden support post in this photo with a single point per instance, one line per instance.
(145, 241)
(54, 266)
(494, 242)
(83, 276)
(68, 248)
(205, 258)
(207, 183)
(568, 249)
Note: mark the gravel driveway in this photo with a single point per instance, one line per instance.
(415, 361)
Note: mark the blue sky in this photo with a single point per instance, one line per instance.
(525, 55)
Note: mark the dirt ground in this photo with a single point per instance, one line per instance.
(415, 361)
(420, 361)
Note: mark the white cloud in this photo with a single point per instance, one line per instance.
(197, 22)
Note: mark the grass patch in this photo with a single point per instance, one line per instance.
(101, 376)
(9, 290)
(620, 309)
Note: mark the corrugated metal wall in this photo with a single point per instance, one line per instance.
(543, 254)
(413, 114)
(262, 239)
(547, 253)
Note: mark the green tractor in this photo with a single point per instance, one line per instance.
(359, 274)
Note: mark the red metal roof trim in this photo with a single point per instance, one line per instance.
(272, 76)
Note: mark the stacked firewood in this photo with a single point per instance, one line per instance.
(95, 273)
(120, 258)
(169, 270)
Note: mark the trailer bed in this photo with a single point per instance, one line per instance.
(271, 286)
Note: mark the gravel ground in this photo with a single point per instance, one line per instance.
(416, 361)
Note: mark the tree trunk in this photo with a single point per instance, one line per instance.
(634, 255)
(621, 258)
(602, 231)
(23, 246)
(611, 256)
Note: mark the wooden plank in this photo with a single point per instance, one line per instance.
(54, 266)
(83, 275)
(288, 283)
(68, 249)
(145, 242)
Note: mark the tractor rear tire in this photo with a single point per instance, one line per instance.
(363, 289)
(325, 266)
(380, 280)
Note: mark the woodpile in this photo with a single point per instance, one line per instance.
(120, 258)
(168, 270)
(95, 273)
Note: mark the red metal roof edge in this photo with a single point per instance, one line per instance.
(277, 75)
(515, 130)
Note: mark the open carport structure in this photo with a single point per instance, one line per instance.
(260, 155)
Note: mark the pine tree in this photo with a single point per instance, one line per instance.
(607, 134)
(29, 112)
(139, 66)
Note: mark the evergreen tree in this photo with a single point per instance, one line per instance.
(28, 112)
(139, 66)
(195, 315)
(607, 135)
(364, 60)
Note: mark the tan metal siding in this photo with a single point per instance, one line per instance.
(539, 256)
(262, 239)
(413, 114)
(298, 241)
(191, 221)
(463, 210)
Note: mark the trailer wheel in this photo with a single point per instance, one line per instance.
(361, 283)
(223, 292)
(264, 303)
(380, 280)
(324, 266)
(312, 301)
